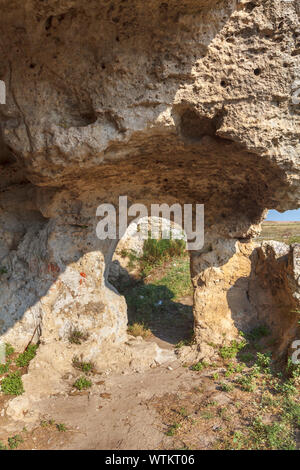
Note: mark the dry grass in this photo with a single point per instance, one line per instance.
(138, 329)
(287, 232)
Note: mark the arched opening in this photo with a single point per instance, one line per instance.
(153, 274)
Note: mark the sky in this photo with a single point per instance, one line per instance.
(285, 216)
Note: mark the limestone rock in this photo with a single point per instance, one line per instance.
(165, 102)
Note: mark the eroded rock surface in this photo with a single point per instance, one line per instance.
(187, 102)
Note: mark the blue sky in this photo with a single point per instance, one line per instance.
(285, 216)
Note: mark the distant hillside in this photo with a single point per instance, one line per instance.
(287, 232)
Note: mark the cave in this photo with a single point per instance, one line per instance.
(164, 108)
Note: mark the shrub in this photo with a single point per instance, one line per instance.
(199, 366)
(4, 368)
(12, 384)
(24, 358)
(82, 383)
(15, 441)
(228, 352)
(156, 252)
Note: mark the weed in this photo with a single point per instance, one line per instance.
(12, 384)
(155, 252)
(4, 368)
(83, 366)
(47, 423)
(276, 436)
(291, 411)
(287, 388)
(61, 427)
(257, 333)
(9, 350)
(226, 387)
(234, 368)
(76, 336)
(139, 329)
(246, 383)
(263, 361)
(24, 358)
(293, 370)
(82, 383)
(199, 366)
(15, 441)
(229, 352)
(3, 446)
(172, 429)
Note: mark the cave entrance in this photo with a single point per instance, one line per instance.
(154, 277)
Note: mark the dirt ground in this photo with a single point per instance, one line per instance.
(168, 407)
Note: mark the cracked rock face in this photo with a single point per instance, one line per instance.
(165, 102)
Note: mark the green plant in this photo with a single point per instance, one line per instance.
(264, 361)
(199, 366)
(76, 336)
(3, 446)
(246, 383)
(157, 251)
(293, 370)
(46, 423)
(276, 436)
(226, 387)
(15, 441)
(172, 429)
(287, 388)
(258, 332)
(12, 384)
(291, 411)
(61, 427)
(24, 358)
(4, 368)
(229, 352)
(9, 350)
(81, 365)
(82, 383)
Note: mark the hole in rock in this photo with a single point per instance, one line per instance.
(154, 277)
(194, 127)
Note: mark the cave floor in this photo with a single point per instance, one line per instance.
(167, 407)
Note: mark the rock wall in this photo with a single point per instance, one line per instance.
(240, 286)
(165, 102)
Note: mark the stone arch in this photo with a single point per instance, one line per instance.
(161, 102)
